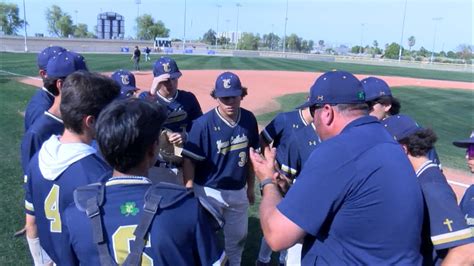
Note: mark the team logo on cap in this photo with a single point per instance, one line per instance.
(226, 83)
(361, 95)
(125, 79)
(166, 67)
(320, 98)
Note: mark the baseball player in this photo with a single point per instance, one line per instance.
(355, 187)
(126, 80)
(43, 98)
(183, 108)
(136, 58)
(467, 202)
(283, 125)
(216, 160)
(50, 122)
(446, 237)
(66, 162)
(382, 104)
(179, 231)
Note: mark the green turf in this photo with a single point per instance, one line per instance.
(21, 63)
(448, 112)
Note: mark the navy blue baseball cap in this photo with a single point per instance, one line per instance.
(400, 126)
(465, 142)
(48, 52)
(126, 80)
(335, 87)
(375, 88)
(227, 85)
(65, 63)
(166, 65)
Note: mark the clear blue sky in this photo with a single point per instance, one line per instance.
(335, 22)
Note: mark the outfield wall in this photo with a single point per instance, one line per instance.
(35, 44)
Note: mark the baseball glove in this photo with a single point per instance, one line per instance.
(168, 151)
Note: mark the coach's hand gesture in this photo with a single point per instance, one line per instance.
(263, 165)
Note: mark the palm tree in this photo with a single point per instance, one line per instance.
(411, 42)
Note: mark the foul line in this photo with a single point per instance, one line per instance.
(458, 184)
(19, 75)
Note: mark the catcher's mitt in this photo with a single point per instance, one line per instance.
(168, 151)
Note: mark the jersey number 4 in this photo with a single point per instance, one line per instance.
(51, 210)
(121, 244)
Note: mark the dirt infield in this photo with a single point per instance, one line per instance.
(265, 86)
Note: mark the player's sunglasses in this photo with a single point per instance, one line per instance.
(470, 151)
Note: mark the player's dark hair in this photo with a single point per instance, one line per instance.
(83, 94)
(126, 129)
(244, 93)
(50, 84)
(388, 100)
(420, 142)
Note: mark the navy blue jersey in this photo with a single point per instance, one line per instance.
(444, 225)
(41, 130)
(220, 150)
(183, 109)
(293, 153)
(467, 206)
(179, 235)
(41, 101)
(433, 156)
(366, 204)
(52, 176)
(282, 126)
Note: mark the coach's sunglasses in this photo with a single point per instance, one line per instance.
(470, 151)
(313, 108)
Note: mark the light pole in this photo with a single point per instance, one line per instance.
(284, 32)
(403, 28)
(238, 5)
(217, 26)
(227, 33)
(184, 31)
(434, 37)
(24, 24)
(361, 36)
(138, 2)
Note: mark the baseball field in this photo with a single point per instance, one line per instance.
(441, 100)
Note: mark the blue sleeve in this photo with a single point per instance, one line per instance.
(29, 207)
(288, 157)
(467, 205)
(447, 224)
(317, 184)
(273, 130)
(31, 114)
(193, 148)
(207, 246)
(30, 144)
(433, 156)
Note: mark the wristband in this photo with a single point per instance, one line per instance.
(265, 182)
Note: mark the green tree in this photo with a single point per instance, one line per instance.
(59, 22)
(356, 49)
(80, 31)
(270, 40)
(392, 51)
(321, 44)
(465, 52)
(148, 29)
(209, 37)
(293, 42)
(411, 42)
(248, 41)
(10, 21)
(451, 54)
(423, 52)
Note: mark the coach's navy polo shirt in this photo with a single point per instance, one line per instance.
(467, 206)
(444, 226)
(358, 200)
(181, 234)
(41, 130)
(220, 150)
(293, 153)
(281, 127)
(41, 101)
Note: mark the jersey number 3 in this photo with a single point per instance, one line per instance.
(121, 244)
(51, 210)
